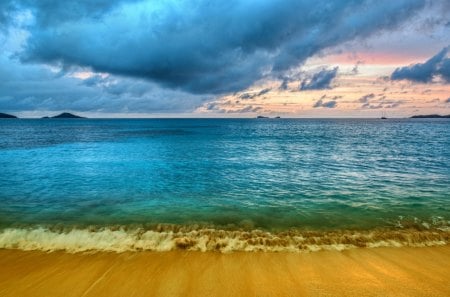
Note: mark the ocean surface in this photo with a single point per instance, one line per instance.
(223, 184)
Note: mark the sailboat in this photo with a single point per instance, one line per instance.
(383, 115)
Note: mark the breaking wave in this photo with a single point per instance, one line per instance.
(194, 238)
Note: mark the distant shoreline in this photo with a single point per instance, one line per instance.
(431, 116)
(7, 116)
(66, 115)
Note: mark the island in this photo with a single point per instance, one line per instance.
(264, 117)
(7, 116)
(431, 116)
(65, 115)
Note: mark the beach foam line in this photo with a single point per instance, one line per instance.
(168, 238)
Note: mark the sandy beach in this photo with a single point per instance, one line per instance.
(356, 272)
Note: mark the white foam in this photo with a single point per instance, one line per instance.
(138, 239)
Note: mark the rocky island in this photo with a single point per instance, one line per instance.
(264, 117)
(65, 115)
(7, 116)
(431, 116)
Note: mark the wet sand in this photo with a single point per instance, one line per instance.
(356, 272)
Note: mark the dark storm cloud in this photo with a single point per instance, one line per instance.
(203, 46)
(436, 66)
(95, 80)
(53, 12)
(33, 87)
(6, 8)
(320, 80)
(115, 86)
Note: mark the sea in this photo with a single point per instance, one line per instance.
(270, 185)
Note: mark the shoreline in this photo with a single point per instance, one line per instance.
(404, 271)
(193, 238)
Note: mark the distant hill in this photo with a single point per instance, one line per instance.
(264, 117)
(7, 116)
(65, 115)
(431, 116)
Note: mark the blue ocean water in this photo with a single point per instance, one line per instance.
(232, 174)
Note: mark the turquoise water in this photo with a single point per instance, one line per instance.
(271, 175)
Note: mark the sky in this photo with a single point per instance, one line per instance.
(206, 58)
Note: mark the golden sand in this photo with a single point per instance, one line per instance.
(357, 272)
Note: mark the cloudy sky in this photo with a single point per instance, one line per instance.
(206, 58)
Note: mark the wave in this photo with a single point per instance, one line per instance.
(192, 238)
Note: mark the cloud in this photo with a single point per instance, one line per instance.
(7, 10)
(392, 104)
(325, 104)
(229, 107)
(366, 98)
(355, 69)
(284, 85)
(382, 102)
(435, 100)
(320, 80)
(379, 101)
(264, 91)
(53, 12)
(254, 95)
(201, 47)
(43, 88)
(27, 87)
(248, 108)
(291, 76)
(436, 66)
(448, 100)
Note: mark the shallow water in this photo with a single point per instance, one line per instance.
(232, 174)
